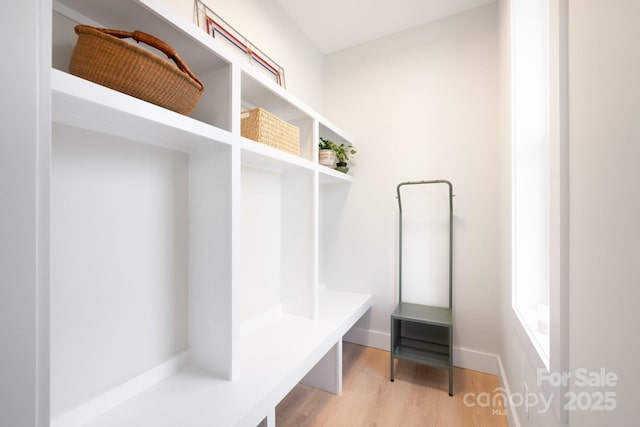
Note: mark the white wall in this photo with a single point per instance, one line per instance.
(604, 63)
(268, 27)
(604, 205)
(260, 244)
(119, 254)
(420, 104)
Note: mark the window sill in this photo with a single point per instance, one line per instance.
(536, 345)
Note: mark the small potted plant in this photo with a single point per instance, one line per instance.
(342, 155)
(327, 153)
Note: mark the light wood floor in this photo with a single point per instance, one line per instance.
(418, 397)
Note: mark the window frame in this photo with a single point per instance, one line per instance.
(530, 160)
(558, 197)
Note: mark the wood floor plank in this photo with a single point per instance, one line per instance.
(418, 397)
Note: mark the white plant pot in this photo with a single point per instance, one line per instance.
(327, 157)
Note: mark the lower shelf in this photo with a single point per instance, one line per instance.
(276, 355)
(423, 335)
(424, 353)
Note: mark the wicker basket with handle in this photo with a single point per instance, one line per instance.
(102, 57)
(262, 126)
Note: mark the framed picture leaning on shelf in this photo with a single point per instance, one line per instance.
(220, 29)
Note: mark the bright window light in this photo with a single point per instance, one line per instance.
(530, 160)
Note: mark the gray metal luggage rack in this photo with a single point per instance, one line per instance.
(423, 334)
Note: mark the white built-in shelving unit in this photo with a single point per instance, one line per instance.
(186, 260)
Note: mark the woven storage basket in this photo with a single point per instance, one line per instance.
(262, 126)
(102, 57)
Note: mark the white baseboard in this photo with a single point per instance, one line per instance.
(462, 357)
(512, 416)
(475, 360)
(366, 337)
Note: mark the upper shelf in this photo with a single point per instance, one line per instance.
(262, 156)
(332, 176)
(79, 103)
(83, 104)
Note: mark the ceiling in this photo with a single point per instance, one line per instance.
(334, 25)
